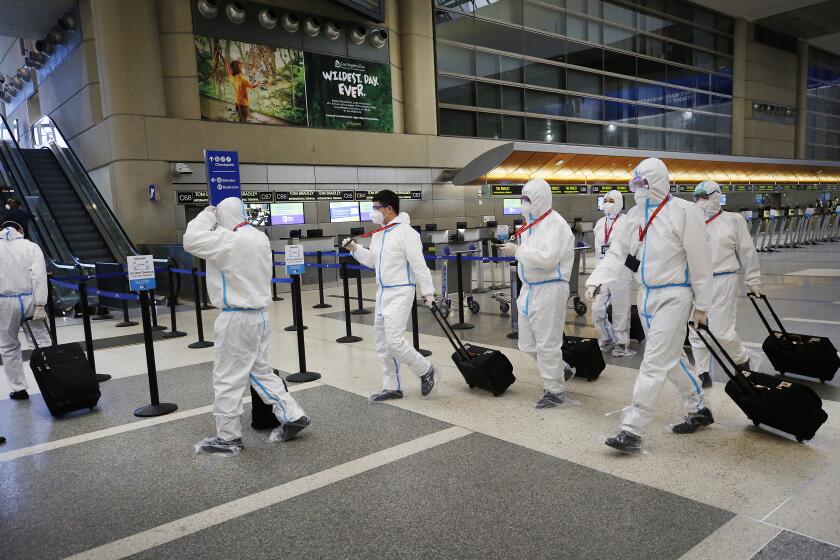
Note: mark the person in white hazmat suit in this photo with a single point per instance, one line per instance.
(23, 294)
(239, 272)
(396, 253)
(664, 241)
(732, 250)
(544, 255)
(613, 335)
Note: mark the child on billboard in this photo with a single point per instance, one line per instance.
(241, 86)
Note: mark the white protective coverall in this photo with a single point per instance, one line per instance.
(732, 250)
(23, 286)
(239, 275)
(675, 270)
(616, 293)
(397, 255)
(545, 257)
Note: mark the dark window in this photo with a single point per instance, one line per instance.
(457, 5)
(457, 123)
(620, 88)
(498, 67)
(497, 36)
(723, 145)
(511, 98)
(703, 144)
(621, 136)
(650, 116)
(546, 19)
(488, 95)
(619, 38)
(545, 75)
(544, 102)
(545, 130)
(677, 142)
(651, 93)
(651, 47)
(584, 82)
(619, 63)
(679, 53)
(582, 133)
(704, 60)
(679, 98)
(503, 10)
(679, 76)
(513, 127)
(585, 55)
(651, 139)
(624, 113)
(454, 27)
(651, 70)
(454, 59)
(456, 91)
(617, 13)
(722, 85)
(489, 125)
(544, 46)
(584, 108)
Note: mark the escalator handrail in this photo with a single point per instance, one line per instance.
(89, 182)
(61, 249)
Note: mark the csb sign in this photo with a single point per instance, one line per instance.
(222, 175)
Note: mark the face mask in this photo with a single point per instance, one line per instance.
(525, 209)
(377, 218)
(709, 207)
(610, 208)
(641, 195)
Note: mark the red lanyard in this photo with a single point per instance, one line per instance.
(609, 231)
(368, 234)
(715, 216)
(532, 224)
(240, 225)
(643, 232)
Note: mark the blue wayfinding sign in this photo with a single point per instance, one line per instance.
(222, 175)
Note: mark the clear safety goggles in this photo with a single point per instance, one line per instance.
(702, 196)
(525, 200)
(638, 183)
(609, 200)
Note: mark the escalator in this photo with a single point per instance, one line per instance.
(86, 242)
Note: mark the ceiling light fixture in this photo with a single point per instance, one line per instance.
(268, 18)
(235, 11)
(208, 8)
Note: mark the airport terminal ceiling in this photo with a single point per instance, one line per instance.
(521, 161)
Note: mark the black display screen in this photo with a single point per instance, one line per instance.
(374, 9)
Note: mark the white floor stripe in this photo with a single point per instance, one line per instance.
(82, 438)
(751, 344)
(821, 322)
(190, 524)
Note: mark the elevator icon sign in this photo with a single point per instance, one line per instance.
(222, 175)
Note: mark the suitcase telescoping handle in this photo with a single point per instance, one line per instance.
(753, 299)
(450, 334)
(31, 335)
(742, 382)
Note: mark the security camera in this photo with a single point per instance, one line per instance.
(358, 34)
(378, 37)
(290, 22)
(235, 11)
(332, 30)
(182, 169)
(268, 18)
(208, 8)
(312, 26)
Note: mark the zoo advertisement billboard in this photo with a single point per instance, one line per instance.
(259, 84)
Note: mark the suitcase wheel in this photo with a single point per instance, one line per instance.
(474, 306)
(470, 386)
(504, 308)
(580, 306)
(495, 394)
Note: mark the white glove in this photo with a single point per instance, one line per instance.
(39, 314)
(590, 293)
(755, 289)
(349, 244)
(429, 301)
(509, 249)
(699, 318)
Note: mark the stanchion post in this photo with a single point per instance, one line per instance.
(321, 304)
(514, 308)
(415, 330)
(205, 297)
(83, 300)
(153, 305)
(51, 309)
(274, 296)
(303, 375)
(173, 303)
(348, 330)
(126, 322)
(461, 325)
(361, 310)
(156, 408)
(201, 343)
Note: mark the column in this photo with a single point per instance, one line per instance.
(418, 67)
(801, 98)
(740, 107)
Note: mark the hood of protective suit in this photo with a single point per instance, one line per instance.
(654, 170)
(230, 213)
(538, 191)
(614, 209)
(712, 205)
(10, 234)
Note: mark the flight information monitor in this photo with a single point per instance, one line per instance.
(511, 206)
(287, 214)
(344, 212)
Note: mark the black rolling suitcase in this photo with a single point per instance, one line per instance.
(481, 367)
(584, 355)
(637, 332)
(790, 407)
(64, 376)
(801, 354)
(262, 415)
